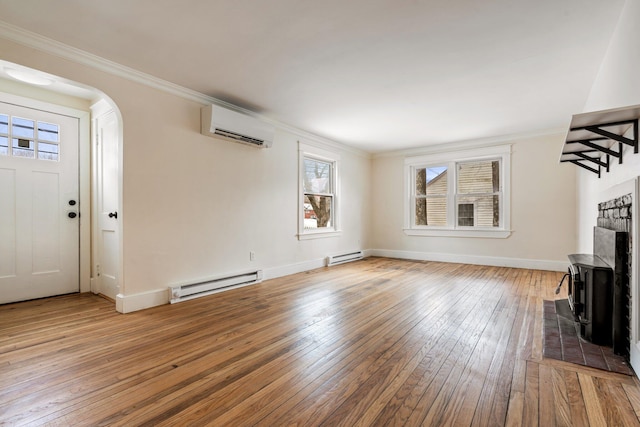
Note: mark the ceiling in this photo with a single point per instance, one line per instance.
(378, 75)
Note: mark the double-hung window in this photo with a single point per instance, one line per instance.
(318, 187)
(462, 193)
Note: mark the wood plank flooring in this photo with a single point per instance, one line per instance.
(377, 342)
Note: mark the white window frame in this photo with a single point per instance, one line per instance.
(309, 151)
(451, 159)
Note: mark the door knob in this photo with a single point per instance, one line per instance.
(72, 215)
(113, 215)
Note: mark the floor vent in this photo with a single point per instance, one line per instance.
(209, 286)
(342, 258)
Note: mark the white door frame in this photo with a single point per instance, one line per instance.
(98, 109)
(84, 175)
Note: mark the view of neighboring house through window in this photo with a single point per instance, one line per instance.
(459, 191)
(478, 193)
(318, 191)
(431, 196)
(466, 215)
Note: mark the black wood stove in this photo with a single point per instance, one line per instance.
(598, 291)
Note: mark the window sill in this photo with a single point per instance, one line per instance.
(319, 235)
(443, 232)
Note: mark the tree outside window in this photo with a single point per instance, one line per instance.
(318, 197)
(318, 193)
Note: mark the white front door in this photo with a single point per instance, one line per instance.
(39, 204)
(106, 176)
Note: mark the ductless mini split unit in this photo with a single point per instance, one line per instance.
(220, 122)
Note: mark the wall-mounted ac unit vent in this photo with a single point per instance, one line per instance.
(209, 286)
(233, 126)
(342, 258)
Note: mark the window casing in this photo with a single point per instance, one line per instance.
(318, 192)
(463, 193)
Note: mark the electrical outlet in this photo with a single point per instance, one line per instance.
(252, 256)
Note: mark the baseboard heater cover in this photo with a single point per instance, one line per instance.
(209, 286)
(346, 257)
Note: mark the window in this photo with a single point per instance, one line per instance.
(465, 214)
(318, 183)
(19, 138)
(464, 194)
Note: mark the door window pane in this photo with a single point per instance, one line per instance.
(47, 151)
(48, 132)
(4, 124)
(23, 148)
(22, 128)
(27, 140)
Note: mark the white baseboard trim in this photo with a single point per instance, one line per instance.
(142, 300)
(533, 264)
(286, 270)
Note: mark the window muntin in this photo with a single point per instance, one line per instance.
(21, 137)
(461, 196)
(318, 192)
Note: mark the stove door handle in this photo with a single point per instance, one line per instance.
(561, 282)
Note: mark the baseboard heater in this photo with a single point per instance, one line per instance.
(209, 286)
(342, 258)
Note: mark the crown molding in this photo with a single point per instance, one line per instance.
(448, 147)
(36, 41)
(53, 47)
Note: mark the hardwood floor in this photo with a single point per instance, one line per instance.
(376, 342)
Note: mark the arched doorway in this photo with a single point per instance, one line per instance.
(64, 223)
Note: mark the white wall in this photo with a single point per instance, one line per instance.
(41, 94)
(617, 85)
(194, 206)
(542, 212)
